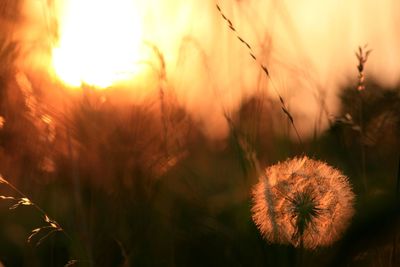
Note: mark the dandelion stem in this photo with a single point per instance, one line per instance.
(300, 252)
(397, 208)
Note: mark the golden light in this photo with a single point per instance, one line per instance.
(308, 48)
(99, 42)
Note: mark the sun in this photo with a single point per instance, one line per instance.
(99, 42)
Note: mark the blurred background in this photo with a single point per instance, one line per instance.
(138, 127)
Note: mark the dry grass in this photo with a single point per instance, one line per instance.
(141, 184)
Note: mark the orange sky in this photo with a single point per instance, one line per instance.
(308, 46)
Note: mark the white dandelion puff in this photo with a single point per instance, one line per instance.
(302, 202)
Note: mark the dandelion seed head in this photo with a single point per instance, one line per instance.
(302, 202)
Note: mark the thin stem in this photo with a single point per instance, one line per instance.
(362, 146)
(362, 57)
(36, 207)
(264, 69)
(300, 252)
(25, 196)
(397, 208)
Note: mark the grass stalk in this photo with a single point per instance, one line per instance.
(362, 57)
(264, 68)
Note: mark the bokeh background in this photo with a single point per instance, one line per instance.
(155, 165)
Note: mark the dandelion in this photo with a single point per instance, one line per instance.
(302, 202)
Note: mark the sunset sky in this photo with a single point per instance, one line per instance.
(308, 47)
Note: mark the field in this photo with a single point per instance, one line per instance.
(220, 154)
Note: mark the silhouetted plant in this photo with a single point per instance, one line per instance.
(302, 202)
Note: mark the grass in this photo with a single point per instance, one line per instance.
(142, 185)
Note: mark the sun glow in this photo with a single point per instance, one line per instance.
(308, 47)
(99, 42)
